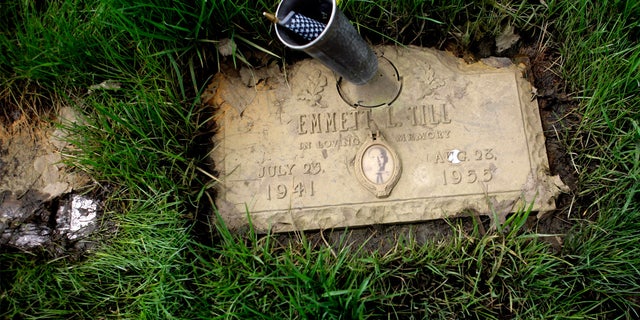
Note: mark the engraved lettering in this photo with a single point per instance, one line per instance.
(276, 171)
(432, 115)
(457, 156)
(312, 168)
(488, 175)
(354, 114)
(425, 135)
(331, 122)
(300, 189)
(458, 176)
(425, 116)
(315, 123)
(414, 116)
(305, 145)
(445, 114)
(472, 176)
(488, 154)
(453, 156)
(342, 141)
(263, 173)
(438, 114)
(367, 114)
(302, 121)
(282, 191)
(331, 144)
(390, 120)
(429, 115)
(478, 154)
(343, 122)
(484, 154)
(279, 192)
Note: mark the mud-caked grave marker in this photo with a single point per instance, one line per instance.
(457, 138)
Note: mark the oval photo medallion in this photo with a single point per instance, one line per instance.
(377, 167)
(377, 164)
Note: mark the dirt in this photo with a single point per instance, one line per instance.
(40, 208)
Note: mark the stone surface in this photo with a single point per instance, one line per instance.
(467, 139)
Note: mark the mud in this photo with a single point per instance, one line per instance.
(41, 210)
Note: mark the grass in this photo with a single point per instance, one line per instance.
(408, 21)
(471, 276)
(143, 143)
(608, 74)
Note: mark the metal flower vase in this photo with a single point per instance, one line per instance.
(320, 29)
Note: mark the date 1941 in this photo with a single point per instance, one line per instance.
(458, 176)
(281, 191)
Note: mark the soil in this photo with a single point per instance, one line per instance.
(24, 139)
(38, 191)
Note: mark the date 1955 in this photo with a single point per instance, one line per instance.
(469, 176)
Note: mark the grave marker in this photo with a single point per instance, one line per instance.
(457, 138)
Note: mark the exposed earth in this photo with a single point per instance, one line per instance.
(44, 205)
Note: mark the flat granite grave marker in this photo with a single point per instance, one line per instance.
(458, 138)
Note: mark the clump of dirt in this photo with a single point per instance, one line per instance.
(559, 120)
(40, 210)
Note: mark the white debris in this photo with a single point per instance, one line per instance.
(77, 218)
(105, 85)
(506, 39)
(226, 47)
(453, 156)
(31, 236)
